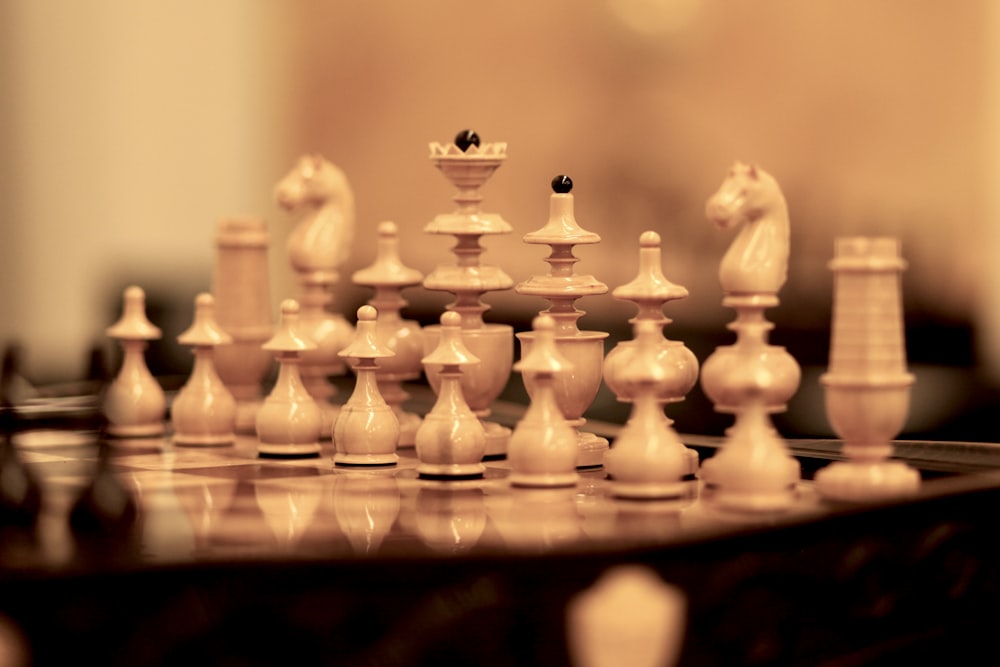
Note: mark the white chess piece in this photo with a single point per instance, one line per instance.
(543, 448)
(366, 431)
(562, 287)
(451, 441)
(135, 404)
(204, 410)
(289, 422)
(867, 385)
(405, 338)
(647, 459)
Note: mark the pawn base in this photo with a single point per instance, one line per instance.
(137, 430)
(204, 439)
(451, 470)
(539, 480)
(592, 449)
(363, 460)
(649, 490)
(857, 481)
(266, 450)
(744, 500)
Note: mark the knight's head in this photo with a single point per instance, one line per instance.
(746, 193)
(312, 181)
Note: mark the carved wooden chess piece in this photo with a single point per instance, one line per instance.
(389, 276)
(468, 165)
(647, 459)
(319, 244)
(451, 440)
(366, 432)
(649, 291)
(134, 403)
(752, 378)
(543, 448)
(242, 290)
(562, 287)
(204, 411)
(867, 385)
(289, 422)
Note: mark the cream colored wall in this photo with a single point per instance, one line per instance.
(131, 127)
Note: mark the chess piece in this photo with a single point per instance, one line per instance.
(319, 244)
(104, 518)
(289, 422)
(366, 432)
(752, 378)
(630, 616)
(242, 291)
(204, 411)
(543, 449)
(647, 459)
(451, 440)
(562, 287)
(649, 291)
(867, 385)
(135, 404)
(468, 164)
(389, 276)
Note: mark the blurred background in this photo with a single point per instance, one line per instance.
(129, 129)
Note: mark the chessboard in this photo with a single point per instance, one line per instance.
(239, 558)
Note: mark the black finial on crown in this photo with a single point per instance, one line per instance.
(562, 184)
(466, 138)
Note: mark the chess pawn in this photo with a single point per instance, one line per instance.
(366, 431)
(389, 276)
(451, 440)
(204, 411)
(753, 471)
(867, 386)
(242, 291)
(135, 404)
(289, 422)
(543, 449)
(648, 459)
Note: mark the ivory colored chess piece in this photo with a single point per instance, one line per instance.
(752, 271)
(319, 244)
(752, 378)
(867, 385)
(584, 350)
(204, 411)
(649, 291)
(647, 459)
(389, 276)
(451, 440)
(630, 616)
(468, 164)
(543, 449)
(134, 404)
(289, 422)
(242, 290)
(366, 432)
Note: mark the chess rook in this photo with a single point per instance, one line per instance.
(867, 386)
(468, 164)
(242, 291)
